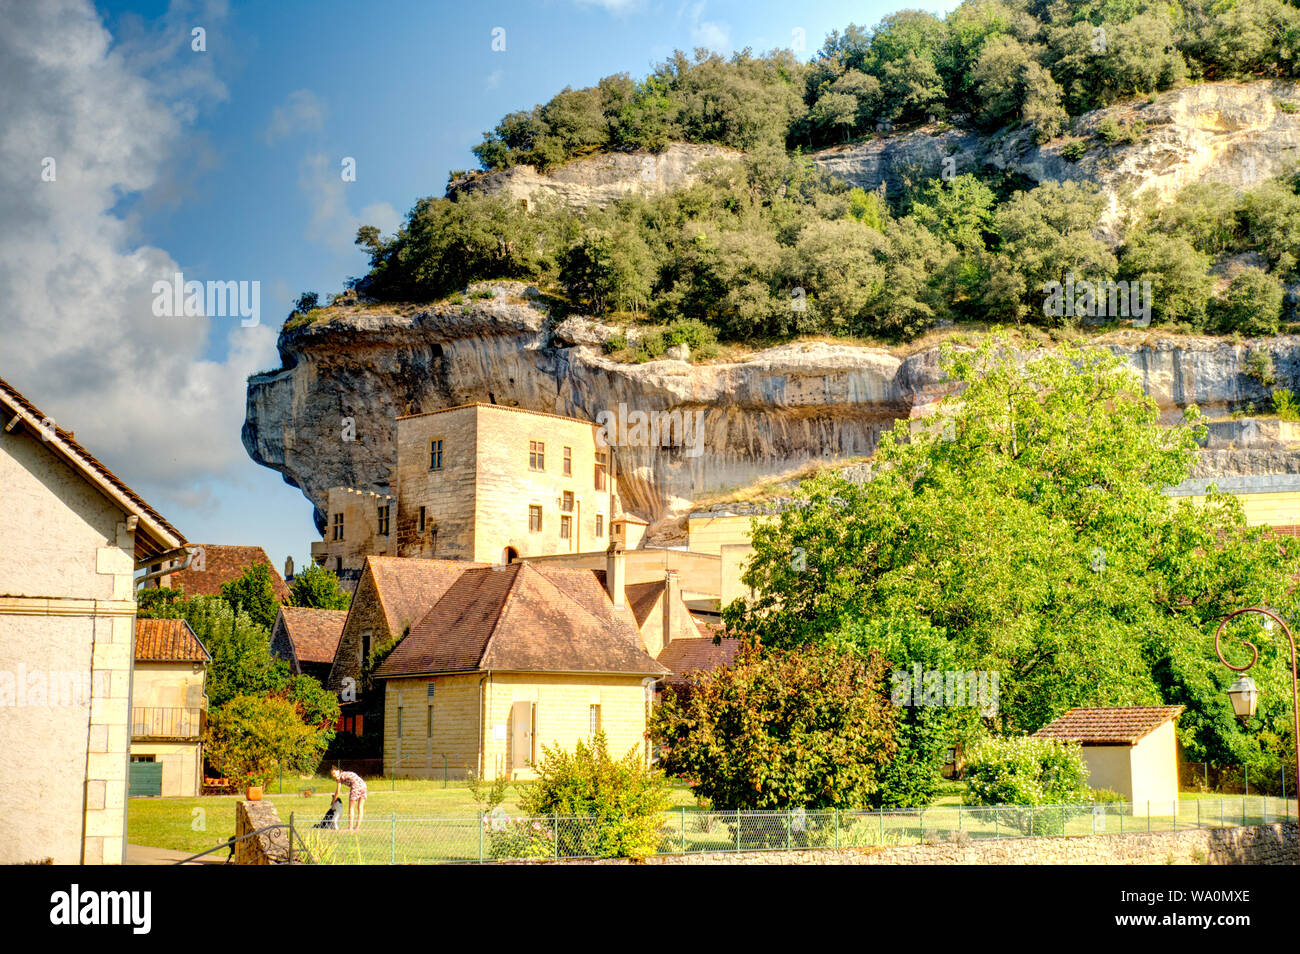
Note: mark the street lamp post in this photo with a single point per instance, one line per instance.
(1243, 693)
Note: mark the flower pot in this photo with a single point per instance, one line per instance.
(253, 793)
(307, 793)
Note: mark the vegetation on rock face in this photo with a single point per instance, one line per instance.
(1029, 527)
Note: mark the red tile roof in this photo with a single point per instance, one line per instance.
(1119, 725)
(159, 538)
(313, 633)
(408, 587)
(225, 564)
(167, 640)
(685, 656)
(517, 618)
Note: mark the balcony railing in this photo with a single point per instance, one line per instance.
(163, 723)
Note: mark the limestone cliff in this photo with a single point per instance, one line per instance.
(773, 412)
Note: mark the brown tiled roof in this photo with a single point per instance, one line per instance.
(684, 656)
(1119, 725)
(149, 540)
(313, 633)
(641, 598)
(408, 587)
(225, 564)
(517, 618)
(167, 640)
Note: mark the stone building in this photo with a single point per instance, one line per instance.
(212, 566)
(72, 538)
(307, 639)
(358, 524)
(492, 484)
(168, 709)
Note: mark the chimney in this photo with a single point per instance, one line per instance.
(616, 574)
(672, 600)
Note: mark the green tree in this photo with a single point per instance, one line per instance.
(1178, 273)
(1251, 304)
(240, 647)
(1029, 772)
(254, 594)
(316, 587)
(250, 737)
(1028, 523)
(809, 727)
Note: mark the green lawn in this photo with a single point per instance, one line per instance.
(173, 822)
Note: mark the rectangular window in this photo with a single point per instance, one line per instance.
(568, 462)
(435, 454)
(565, 527)
(566, 502)
(536, 455)
(428, 720)
(593, 721)
(534, 519)
(600, 524)
(422, 519)
(383, 521)
(399, 722)
(600, 471)
(338, 564)
(338, 526)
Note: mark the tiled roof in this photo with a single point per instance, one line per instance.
(164, 536)
(167, 640)
(225, 564)
(684, 656)
(1120, 725)
(517, 618)
(409, 587)
(313, 633)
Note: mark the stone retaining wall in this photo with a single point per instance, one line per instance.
(1256, 845)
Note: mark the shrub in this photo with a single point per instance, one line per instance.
(1251, 305)
(1259, 365)
(249, 737)
(626, 799)
(1285, 404)
(1028, 773)
(1074, 151)
(808, 727)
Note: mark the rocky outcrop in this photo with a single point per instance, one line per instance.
(597, 180)
(767, 415)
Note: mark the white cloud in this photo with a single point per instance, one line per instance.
(493, 80)
(617, 7)
(77, 330)
(712, 34)
(333, 223)
(302, 111)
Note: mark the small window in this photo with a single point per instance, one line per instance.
(534, 519)
(399, 722)
(568, 462)
(600, 524)
(422, 519)
(536, 455)
(429, 691)
(428, 717)
(338, 526)
(433, 538)
(601, 466)
(338, 564)
(383, 521)
(593, 721)
(566, 502)
(566, 527)
(435, 454)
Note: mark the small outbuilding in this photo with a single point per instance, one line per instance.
(1131, 750)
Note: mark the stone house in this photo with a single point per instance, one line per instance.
(307, 638)
(509, 660)
(357, 525)
(73, 536)
(1132, 750)
(214, 565)
(491, 484)
(168, 709)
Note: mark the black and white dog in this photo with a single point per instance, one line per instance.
(331, 819)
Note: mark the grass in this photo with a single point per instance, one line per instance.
(173, 822)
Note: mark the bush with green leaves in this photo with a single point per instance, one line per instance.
(316, 587)
(619, 803)
(1028, 773)
(1285, 404)
(251, 737)
(1251, 304)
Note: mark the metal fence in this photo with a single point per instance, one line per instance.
(406, 839)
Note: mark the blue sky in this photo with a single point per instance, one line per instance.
(224, 164)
